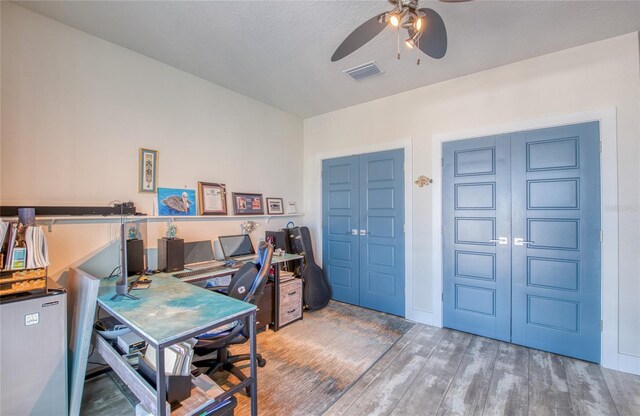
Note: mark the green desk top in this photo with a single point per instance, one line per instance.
(170, 309)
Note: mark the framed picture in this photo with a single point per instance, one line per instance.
(247, 204)
(148, 171)
(212, 198)
(174, 202)
(274, 206)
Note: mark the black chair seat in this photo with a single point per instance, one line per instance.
(247, 284)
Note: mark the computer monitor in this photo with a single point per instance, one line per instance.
(236, 245)
(198, 252)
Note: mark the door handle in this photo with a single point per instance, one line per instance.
(519, 241)
(363, 232)
(354, 232)
(500, 240)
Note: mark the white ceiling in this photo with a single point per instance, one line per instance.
(278, 52)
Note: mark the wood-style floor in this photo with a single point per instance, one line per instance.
(435, 371)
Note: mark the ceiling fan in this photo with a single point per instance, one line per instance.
(425, 28)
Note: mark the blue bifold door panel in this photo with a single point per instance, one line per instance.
(362, 225)
(521, 216)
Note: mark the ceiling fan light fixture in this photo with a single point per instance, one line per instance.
(394, 19)
(430, 36)
(417, 23)
(412, 42)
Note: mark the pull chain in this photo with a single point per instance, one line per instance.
(398, 38)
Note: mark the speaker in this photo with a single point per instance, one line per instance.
(135, 256)
(280, 239)
(170, 254)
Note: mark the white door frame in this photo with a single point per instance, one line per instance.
(407, 145)
(610, 356)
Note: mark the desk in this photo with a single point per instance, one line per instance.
(171, 311)
(276, 261)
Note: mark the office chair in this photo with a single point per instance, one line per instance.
(247, 285)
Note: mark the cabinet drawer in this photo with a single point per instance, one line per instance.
(290, 312)
(290, 291)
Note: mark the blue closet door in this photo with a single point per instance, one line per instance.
(556, 207)
(341, 227)
(382, 235)
(541, 190)
(476, 213)
(363, 229)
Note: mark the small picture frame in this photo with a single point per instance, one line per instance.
(148, 171)
(275, 206)
(212, 198)
(250, 204)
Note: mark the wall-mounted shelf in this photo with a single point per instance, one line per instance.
(77, 219)
(267, 218)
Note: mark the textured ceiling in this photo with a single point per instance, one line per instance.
(278, 52)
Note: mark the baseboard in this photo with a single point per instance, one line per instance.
(628, 364)
(422, 317)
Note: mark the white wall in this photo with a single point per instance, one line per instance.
(599, 75)
(76, 110)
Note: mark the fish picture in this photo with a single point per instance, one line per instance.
(174, 202)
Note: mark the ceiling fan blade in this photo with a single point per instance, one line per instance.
(433, 40)
(359, 37)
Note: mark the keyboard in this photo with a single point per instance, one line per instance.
(197, 272)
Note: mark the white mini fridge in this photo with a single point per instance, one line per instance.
(33, 354)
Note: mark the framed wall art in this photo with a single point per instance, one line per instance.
(175, 201)
(212, 198)
(275, 206)
(247, 204)
(148, 171)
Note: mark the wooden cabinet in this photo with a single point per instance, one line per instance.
(290, 302)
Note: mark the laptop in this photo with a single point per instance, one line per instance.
(199, 254)
(237, 247)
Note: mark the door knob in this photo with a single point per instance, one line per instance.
(519, 241)
(500, 240)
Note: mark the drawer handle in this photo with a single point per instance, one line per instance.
(291, 311)
(292, 293)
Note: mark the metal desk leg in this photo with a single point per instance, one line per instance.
(254, 370)
(161, 388)
(276, 297)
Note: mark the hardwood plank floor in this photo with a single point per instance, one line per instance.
(434, 371)
(468, 391)
(101, 396)
(383, 393)
(441, 372)
(426, 393)
(625, 391)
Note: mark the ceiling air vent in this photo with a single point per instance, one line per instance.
(364, 71)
